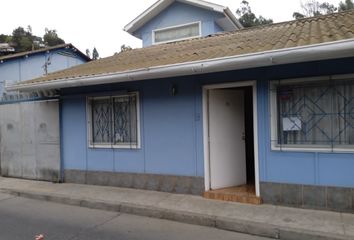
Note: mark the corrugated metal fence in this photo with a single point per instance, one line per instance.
(30, 140)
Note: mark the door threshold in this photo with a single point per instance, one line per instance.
(242, 194)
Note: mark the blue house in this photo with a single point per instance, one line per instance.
(250, 115)
(28, 65)
(29, 122)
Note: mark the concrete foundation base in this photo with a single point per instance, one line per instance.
(156, 182)
(308, 196)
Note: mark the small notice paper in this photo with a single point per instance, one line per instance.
(291, 124)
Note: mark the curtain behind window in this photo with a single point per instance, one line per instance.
(125, 119)
(101, 120)
(177, 33)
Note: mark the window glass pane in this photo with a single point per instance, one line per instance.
(125, 119)
(177, 33)
(318, 113)
(343, 123)
(101, 120)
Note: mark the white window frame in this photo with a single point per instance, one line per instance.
(274, 118)
(89, 123)
(176, 26)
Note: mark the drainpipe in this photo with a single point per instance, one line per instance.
(61, 159)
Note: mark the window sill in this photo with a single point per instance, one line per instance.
(312, 149)
(109, 146)
(176, 40)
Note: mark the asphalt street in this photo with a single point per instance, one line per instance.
(22, 219)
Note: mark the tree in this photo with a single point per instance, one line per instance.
(346, 5)
(88, 53)
(22, 39)
(51, 38)
(29, 29)
(247, 18)
(5, 38)
(95, 54)
(312, 8)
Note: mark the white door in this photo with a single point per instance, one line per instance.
(226, 138)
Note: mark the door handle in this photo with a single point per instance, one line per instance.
(243, 137)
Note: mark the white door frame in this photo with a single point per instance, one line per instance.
(252, 84)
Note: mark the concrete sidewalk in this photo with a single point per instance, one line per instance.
(263, 220)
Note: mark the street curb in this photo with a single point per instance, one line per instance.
(230, 224)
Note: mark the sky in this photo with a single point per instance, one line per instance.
(99, 23)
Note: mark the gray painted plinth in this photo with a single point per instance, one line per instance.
(308, 196)
(156, 182)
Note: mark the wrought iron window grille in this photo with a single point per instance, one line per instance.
(113, 121)
(316, 113)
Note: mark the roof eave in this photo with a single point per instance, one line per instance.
(39, 51)
(149, 13)
(157, 7)
(323, 51)
(232, 18)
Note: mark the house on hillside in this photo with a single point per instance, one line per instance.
(29, 122)
(32, 64)
(264, 114)
(5, 49)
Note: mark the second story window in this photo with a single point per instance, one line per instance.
(176, 33)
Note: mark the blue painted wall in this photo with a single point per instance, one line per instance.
(25, 68)
(172, 131)
(177, 14)
(167, 126)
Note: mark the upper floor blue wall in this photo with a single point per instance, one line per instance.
(25, 68)
(172, 129)
(177, 14)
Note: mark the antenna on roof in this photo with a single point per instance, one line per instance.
(46, 64)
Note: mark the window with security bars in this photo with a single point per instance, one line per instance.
(113, 121)
(316, 114)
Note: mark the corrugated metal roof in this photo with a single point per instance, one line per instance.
(304, 32)
(22, 54)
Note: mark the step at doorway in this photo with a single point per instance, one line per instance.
(242, 194)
